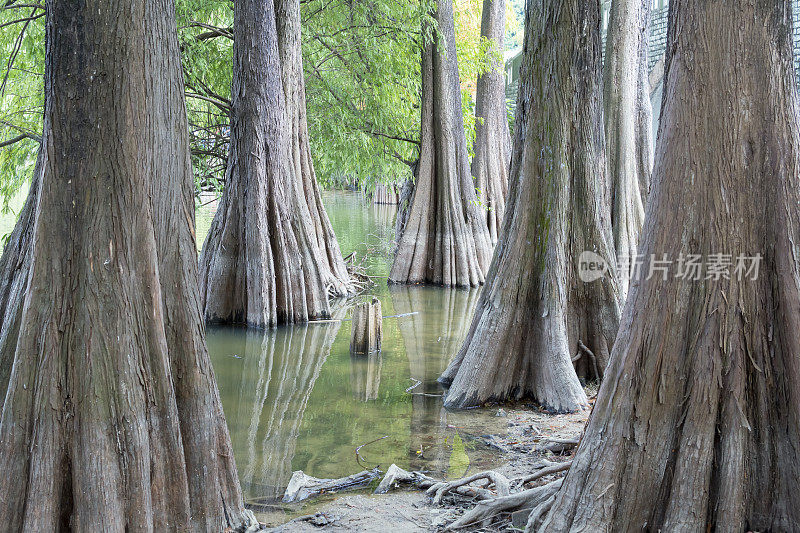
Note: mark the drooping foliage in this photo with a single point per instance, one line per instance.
(362, 70)
(21, 92)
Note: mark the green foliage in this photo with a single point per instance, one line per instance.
(206, 42)
(362, 67)
(21, 94)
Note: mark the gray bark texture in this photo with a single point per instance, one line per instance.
(628, 127)
(445, 240)
(535, 311)
(366, 327)
(697, 425)
(110, 414)
(270, 256)
(492, 138)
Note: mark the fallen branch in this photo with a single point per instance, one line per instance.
(358, 455)
(301, 486)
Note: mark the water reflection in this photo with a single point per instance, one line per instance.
(278, 372)
(365, 375)
(436, 323)
(295, 398)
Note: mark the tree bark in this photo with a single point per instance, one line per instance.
(294, 87)
(628, 127)
(15, 263)
(111, 414)
(700, 411)
(492, 138)
(445, 240)
(535, 310)
(270, 256)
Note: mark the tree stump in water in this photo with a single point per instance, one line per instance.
(365, 337)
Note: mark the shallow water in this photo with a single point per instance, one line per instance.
(295, 399)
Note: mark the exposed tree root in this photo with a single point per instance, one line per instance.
(486, 510)
(491, 503)
(500, 482)
(540, 511)
(396, 475)
(550, 469)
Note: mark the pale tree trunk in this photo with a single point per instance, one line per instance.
(628, 127)
(445, 240)
(111, 414)
(697, 425)
(492, 138)
(535, 312)
(270, 256)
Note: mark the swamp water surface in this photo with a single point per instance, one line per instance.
(295, 399)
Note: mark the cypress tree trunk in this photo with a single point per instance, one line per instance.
(111, 414)
(628, 126)
(700, 411)
(445, 240)
(535, 312)
(15, 265)
(492, 138)
(270, 256)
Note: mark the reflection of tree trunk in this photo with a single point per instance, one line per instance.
(365, 375)
(286, 363)
(430, 337)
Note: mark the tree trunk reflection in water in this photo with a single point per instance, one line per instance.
(365, 375)
(279, 371)
(425, 336)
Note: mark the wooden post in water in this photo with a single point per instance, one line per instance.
(365, 337)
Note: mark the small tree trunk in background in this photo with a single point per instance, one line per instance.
(268, 257)
(697, 425)
(367, 325)
(445, 240)
(628, 126)
(492, 139)
(111, 414)
(535, 310)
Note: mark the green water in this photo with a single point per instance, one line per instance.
(295, 399)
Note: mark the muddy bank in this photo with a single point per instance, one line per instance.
(521, 439)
